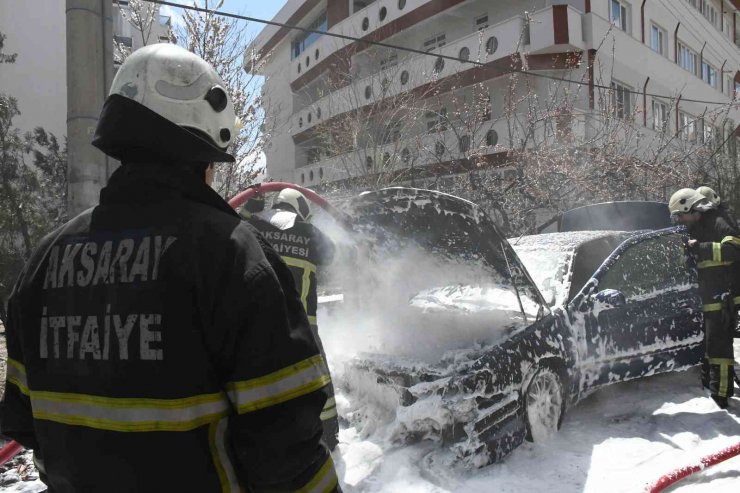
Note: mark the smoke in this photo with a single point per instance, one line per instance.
(403, 301)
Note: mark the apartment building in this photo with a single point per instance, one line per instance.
(686, 49)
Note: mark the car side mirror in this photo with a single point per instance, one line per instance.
(609, 298)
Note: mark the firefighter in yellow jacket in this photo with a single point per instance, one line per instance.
(716, 244)
(151, 345)
(304, 248)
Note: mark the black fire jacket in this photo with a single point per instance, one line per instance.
(152, 348)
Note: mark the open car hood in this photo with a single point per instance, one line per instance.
(452, 229)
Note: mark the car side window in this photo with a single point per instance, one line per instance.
(651, 266)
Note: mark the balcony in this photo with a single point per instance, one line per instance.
(358, 25)
(550, 30)
(415, 152)
(497, 42)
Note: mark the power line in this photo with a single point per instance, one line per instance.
(419, 52)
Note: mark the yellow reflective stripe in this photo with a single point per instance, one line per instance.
(283, 385)
(731, 239)
(330, 409)
(129, 414)
(312, 320)
(324, 481)
(713, 307)
(308, 268)
(704, 264)
(717, 252)
(723, 378)
(16, 374)
(721, 361)
(736, 300)
(221, 461)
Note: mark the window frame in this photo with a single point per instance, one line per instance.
(623, 23)
(687, 126)
(665, 113)
(477, 22)
(709, 74)
(622, 109)
(686, 54)
(663, 39)
(434, 42)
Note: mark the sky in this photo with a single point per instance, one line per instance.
(263, 9)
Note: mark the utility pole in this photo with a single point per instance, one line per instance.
(89, 76)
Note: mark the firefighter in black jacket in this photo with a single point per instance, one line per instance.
(717, 246)
(303, 247)
(151, 345)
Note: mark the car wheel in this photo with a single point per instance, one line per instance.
(544, 405)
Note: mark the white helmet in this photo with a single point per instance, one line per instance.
(295, 200)
(684, 200)
(182, 88)
(709, 194)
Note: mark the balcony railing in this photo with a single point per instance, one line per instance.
(495, 42)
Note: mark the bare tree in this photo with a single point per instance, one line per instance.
(223, 43)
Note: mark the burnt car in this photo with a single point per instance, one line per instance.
(617, 306)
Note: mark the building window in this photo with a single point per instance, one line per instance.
(404, 77)
(619, 15)
(709, 74)
(369, 162)
(687, 125)
(709, 12)
(368, 92)
(464, 54)
(439, 149)
(382, 14)
(303, 178)
(386, 158)
(621, 100)
(686, 58)
(437, 41)
(658, 39)
(491, 45)
(486, 114)
(313, 155)
(309, 118)
(401, 4)
(389, 61)
(439, 65)
(436, 121)
(310, 175)
(304, 40)
(316, 54)
(708, 133)
(464, 144)
(126, 41)
(365, 24)
(318, 113)
(660, 116)
(358, 5)
(300, 122)
(491, 138)
(481, 22)
(321, 172)
(405, 155)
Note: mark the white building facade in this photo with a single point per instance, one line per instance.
(686, 49)
(38, 78)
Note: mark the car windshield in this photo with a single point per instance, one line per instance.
(549, 270)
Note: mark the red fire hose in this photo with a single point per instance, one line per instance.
(9, 451)
(276, 186)
(679, 474)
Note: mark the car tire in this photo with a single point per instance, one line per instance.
(543, 405)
